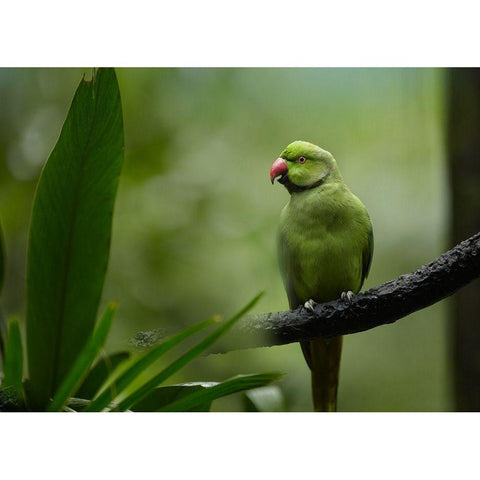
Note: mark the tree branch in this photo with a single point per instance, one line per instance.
(378, 306)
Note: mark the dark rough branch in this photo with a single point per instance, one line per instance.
(378, 306)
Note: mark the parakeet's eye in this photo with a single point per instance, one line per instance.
(301, 160)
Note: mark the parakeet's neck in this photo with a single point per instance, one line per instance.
(332, 176)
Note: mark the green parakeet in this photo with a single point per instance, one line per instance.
(325, 248)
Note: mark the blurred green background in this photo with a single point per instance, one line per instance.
(196, 216)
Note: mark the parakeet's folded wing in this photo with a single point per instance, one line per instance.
(367, 256)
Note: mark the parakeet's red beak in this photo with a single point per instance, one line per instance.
(279, 168)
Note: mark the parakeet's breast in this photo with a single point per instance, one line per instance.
(323, 234)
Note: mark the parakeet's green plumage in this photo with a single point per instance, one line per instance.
(325, 248)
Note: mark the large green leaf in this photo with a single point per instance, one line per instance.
(83, 362)
(236, 384)
(97, 376)
(162, 396)
(70, 233)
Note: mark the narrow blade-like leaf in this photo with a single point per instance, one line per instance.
(236, 384)
(99, 373)
(13, 364)
(127, 377)
(70, 233)
(82, 364)
(186, 358)
(161, 396)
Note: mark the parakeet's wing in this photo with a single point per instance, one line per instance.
(367, 256)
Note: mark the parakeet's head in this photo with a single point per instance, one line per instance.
(303, 165)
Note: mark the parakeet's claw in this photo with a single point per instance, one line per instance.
(310, 305)
(347, 297)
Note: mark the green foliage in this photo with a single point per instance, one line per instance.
(198, 397)
(187, 397)
(186, 358)
(163, 396)
(68, 252)
(233, 385)
(83, 362)
(98, 375)
(70, 233)
(143, 363)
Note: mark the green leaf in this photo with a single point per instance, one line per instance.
(83, 362)
(99, 373)
(70, 233)
(13, 364)
(127, 377)
(186, 358)
(162, 396)
(236, 384)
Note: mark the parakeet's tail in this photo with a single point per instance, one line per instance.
(323, 358)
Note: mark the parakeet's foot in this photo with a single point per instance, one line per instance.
(310, 304)
(347, 297)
